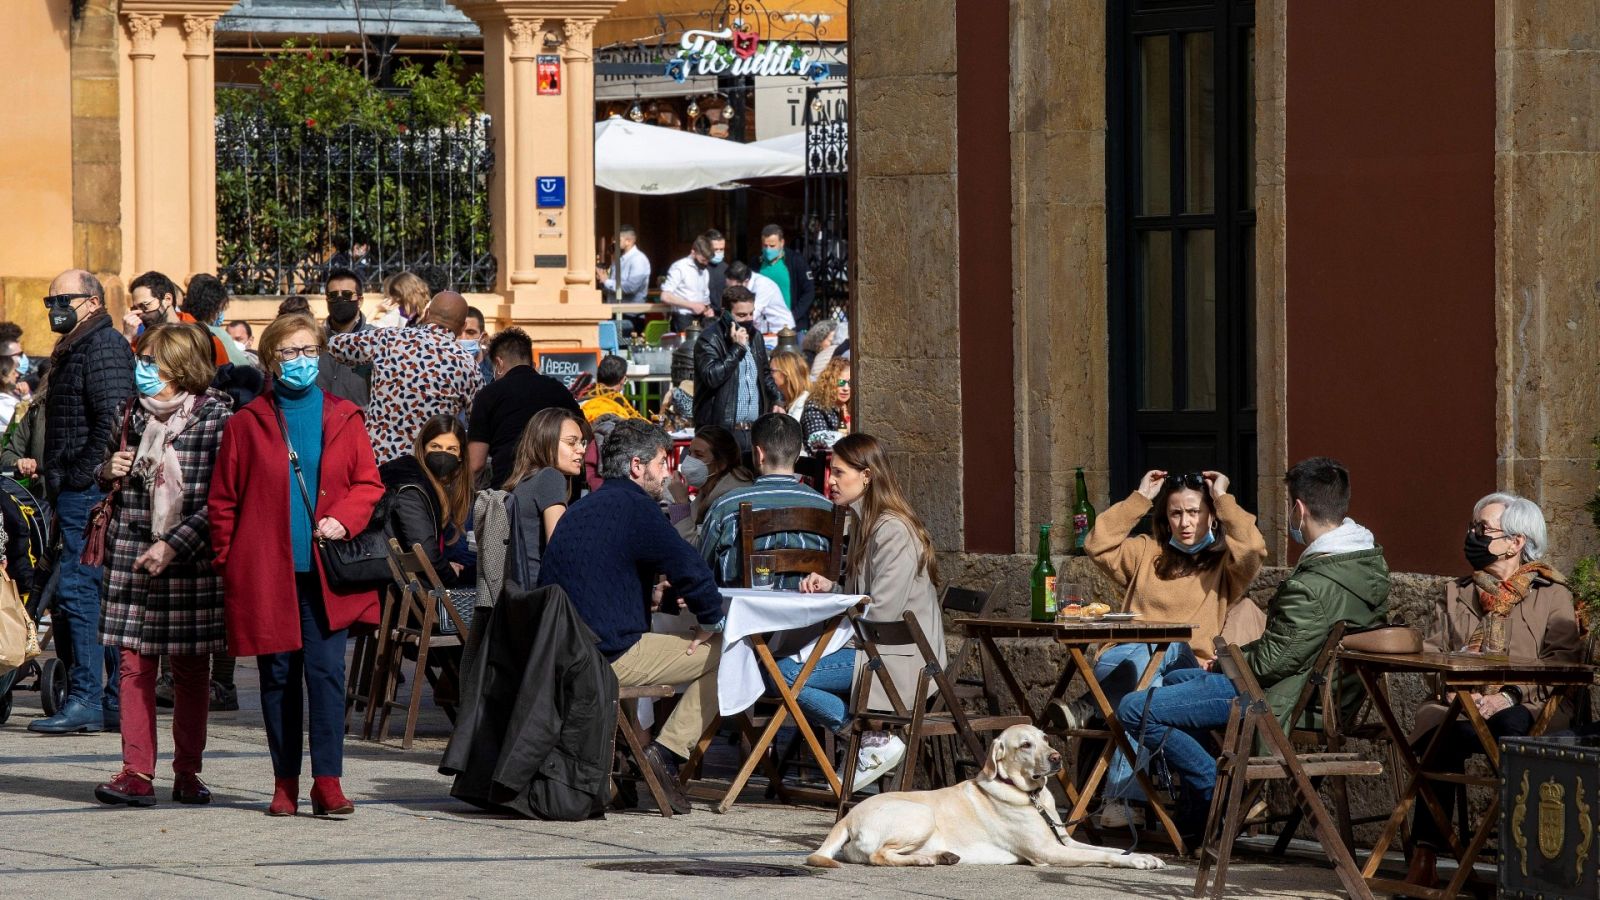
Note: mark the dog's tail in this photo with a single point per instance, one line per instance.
(823, 858)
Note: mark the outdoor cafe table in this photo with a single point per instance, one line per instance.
(1458, 674)
(754, 617)
(1078, 638)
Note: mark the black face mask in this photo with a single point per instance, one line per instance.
(343, 311)
(63, 318)
(443, 465)
(1476, 549)
(154, 317)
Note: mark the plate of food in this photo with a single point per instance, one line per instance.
(1119, 616)
(1083, 611)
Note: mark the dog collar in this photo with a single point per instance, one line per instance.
(1056, 830)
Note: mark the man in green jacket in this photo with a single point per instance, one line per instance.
(1341, 576)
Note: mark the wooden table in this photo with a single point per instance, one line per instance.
(1458, 675)
(1078, 638)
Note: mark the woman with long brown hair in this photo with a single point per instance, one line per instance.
(549, 456)
(431, 494)
(793, 377)
(891, 560)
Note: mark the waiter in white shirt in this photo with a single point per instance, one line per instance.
(688, 285)
(629, 278)
(772, 314)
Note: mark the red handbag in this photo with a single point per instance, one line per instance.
(94, 533)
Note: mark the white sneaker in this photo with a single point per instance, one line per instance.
(1120, 814)
(873, 763)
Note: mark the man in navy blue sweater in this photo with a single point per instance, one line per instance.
(607, 552)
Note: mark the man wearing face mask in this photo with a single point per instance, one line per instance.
(474, 337)
(353, 383)
(788, 268)
(688, 284)
(1341, 577)
(91, 379)
(717, 271)
(733, 383)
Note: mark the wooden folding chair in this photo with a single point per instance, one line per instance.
(969, 689)
(755, 524)
(363, 660)
(1251, 720)
(915, 720)
(634, 738)
(412, 627)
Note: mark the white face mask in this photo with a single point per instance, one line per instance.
(694, 471)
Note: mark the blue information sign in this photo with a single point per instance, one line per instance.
(550, 191)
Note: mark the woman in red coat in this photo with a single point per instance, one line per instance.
(263, 534)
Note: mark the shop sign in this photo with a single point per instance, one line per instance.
(550, 191)
(738, 53)
(549, 75)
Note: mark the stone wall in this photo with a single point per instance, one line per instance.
(1547, 181)
(96, 148)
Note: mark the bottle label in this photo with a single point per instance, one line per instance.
(1050, 594)
(1080, 528)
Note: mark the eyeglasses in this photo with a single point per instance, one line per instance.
(287, 353)
(147, 359)
(341, 295)
(64, 299)
(1482, 529)
(1193, 481)
(576, 443)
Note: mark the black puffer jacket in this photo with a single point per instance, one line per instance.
(716, 375)
(415, 514)
(88, 384)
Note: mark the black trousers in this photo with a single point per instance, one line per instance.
(1460, 743)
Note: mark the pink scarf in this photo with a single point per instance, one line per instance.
(157, 462)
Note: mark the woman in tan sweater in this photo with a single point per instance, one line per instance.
(1194, 568)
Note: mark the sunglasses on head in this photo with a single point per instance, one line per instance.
(1193, 481)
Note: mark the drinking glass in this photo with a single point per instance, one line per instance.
(763, 571)
(1494, 636)
(1070, 592)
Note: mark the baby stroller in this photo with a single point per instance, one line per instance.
(29, 526)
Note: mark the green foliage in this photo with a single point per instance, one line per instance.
(439, 97)
(321, 91)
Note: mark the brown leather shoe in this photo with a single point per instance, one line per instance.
(128, 788)
(188, 788)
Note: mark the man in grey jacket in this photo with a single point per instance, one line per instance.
(353, 383)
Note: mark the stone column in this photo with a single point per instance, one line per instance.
(198, 32)
(577, 56)
(142, 30)
(526, 36)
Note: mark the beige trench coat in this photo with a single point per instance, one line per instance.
(1543, 626)
(891, 579)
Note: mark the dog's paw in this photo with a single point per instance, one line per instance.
(1143, 861)
(948, 859)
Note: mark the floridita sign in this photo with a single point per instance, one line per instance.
(735, 52)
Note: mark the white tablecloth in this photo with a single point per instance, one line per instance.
(739, 682)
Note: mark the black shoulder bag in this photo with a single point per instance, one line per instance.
(360, 563)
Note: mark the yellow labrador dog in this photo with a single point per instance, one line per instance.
(1005, 815)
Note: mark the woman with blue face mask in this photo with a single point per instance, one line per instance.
(1202, 552)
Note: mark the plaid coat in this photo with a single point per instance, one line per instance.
(179, 611)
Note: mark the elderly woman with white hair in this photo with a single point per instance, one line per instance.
(1511, 592)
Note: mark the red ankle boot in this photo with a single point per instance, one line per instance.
(285, 797)
(327, 799)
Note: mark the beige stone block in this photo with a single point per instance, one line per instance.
(914, 405)
(906, 125)
(932, 482)
(94, 97)
(1063, 85)
(97, 248)
(21, 301)
(1553, 101)
(908, 37)
(1564, 485)
(96, 189)
(1553, 24)
(907, 279)
(1076, 163)
(95, 62)
(97, 140)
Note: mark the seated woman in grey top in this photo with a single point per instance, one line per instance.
(549, 456)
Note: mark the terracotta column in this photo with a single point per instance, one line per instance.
(198, 32)
(142, 30)
(526, 36)
(577, 54)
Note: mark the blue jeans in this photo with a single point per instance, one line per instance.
(77, 607)
(825, 697)
(1191, 702)
(1118, 670)
(319, 663)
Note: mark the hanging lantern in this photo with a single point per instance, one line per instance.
(694, 109)
(636, 114)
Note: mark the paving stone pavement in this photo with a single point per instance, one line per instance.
(408, 835)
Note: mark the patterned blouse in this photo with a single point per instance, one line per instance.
(417, 372)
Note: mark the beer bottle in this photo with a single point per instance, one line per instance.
(1044, 581)
(1082, 517)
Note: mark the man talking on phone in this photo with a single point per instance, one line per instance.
(733, 383)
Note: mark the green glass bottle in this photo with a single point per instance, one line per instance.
(1082, 517)
(1044, 581)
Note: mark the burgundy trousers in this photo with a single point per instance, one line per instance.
(191, 687)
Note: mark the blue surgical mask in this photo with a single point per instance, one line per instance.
(218, 321)
(298, 374)
(147, 378)
(24, 365)
(469, 346)
(1194, 548)
(772, 254)
(1296, 534)
(716, 258)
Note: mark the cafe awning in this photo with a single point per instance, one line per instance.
(634, 158)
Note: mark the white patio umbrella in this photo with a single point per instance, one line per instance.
(633, 158)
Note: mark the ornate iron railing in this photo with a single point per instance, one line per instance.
(288, 195)
(827, 197)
